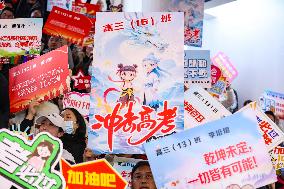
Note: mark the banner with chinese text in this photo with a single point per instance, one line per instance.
(273, 101)
(31, 164)
(79, 101)
(200, 107)
(219, 154)
(137, 85)
(20, 39)
(197, 67)
(62, 23)
(44, 78)
(226, 66)
(271, 133)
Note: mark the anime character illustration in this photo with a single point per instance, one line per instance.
(41, 154)
(129, 81)
(127, 74)
(153, 75)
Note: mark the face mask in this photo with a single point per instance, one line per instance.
(68, 127)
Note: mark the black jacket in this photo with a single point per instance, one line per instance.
(74, 145)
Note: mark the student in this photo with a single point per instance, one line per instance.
(142, 177)
(7, 13)
(54, 125)
(271, 115)
(74, 140)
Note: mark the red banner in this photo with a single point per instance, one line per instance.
(70, 25)
(44, 78)
(95, 174)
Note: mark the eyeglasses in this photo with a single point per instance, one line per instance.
(147, 176)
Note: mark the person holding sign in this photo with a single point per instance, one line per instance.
(142, 177)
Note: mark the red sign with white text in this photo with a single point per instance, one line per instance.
(65, 23)
(95, 174)
(44, 78)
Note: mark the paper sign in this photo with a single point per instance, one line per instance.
(216, 73)
(223, 62)
(197, 67)
(271, 133)
(63, 23)
(97, 174)
(89, 10)
(20, 39)
(277, 157)
(124, 167)
(81, 81)
(137, 92)
(219, 154)
(219, 87)
(193, 19)
(273, 101)
(200, 107)
(31, 164)
(64, 4)
(44, 78)
(79, 101)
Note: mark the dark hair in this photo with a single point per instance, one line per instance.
(36, 7)
(247, 102)
(139, 164)
(272, 114)
(8, 9)
(122, 68)
(81, 130)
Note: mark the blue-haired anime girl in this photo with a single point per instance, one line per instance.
(153, 75)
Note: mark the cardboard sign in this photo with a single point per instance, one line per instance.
(87, 9)
(44, 78)
(124, 166)
(200, 107)
(218, 154)
(223, 62)
(64, 4)
(216, 73)
(31, 164)
(81, 81)
(97, 174)
(197, 67)
(277, 157)
(219, 87)
(193, 19)
(271, 133)
(62, 23)
(20, 39)
(79, 101)
(137, 93)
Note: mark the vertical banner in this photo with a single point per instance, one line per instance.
(227, 153)
(20, 39)
(224, 63)
(271, 133)
(200, 107)
(64, 23)
(273, 101)
(137, 85)
(193, 19)
(197, 68)
(44, 78)
(124, 167)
